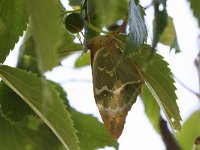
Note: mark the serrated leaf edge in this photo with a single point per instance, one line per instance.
(36, 110)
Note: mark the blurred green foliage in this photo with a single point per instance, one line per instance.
(35, 113)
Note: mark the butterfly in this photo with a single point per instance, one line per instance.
(116, 82)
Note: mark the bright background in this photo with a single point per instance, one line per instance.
(138, 133)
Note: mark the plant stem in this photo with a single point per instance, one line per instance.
(73, 11)
(122, 28)
(92, 19)
(70, 11)
(197, 63)
(186, 87)
(168, 138)
(95, 28)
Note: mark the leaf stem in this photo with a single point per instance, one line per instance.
(69, 51)
(72, 11)
(95, 28)
(122, 28)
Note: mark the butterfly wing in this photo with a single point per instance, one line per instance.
(116, 83)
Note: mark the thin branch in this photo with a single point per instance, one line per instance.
(186, 87)
(95, 28)
(168, 138)
(197, 62)
(148, 6)
(75, 81)
(196, 143)
(69, 51)
(122, 28)
(70, 11)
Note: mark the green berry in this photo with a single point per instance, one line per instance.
(74, 22)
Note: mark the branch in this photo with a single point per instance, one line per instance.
(75, 81)
(187, 88)
(197, 63)
(148, 6)
(122, 28)
(196, 143)
(168, 138)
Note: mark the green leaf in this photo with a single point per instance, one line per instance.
(44, 100)
(96, 134)
(83, 60)
(62, 93)
(13, 21)
(137, 30)
(92, 133)
(108, 16)
(160, 20)
(28, 47)
(27, 59)
(194, 4)
(175, 45)
(168, 36)
(111, 16)
(152, 109)
(11, 105)
(31, 134)
(67, 45)
(47, 30)
(190, 131)
(28, 63)
(158, 78)
(74, 2)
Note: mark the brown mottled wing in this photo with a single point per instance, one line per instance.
(116, 84)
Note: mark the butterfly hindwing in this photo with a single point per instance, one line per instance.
(116, 83)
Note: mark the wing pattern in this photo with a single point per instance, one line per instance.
(116, 82)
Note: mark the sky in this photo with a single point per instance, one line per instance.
(138, 133)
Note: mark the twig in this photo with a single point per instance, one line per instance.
(122, 28)
(95, 28)
(196, 143)
(197, 63)
(75, 81)
(148, 6)
(168, 138)
(186, 87)
(70, 11)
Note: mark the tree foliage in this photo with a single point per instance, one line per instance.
(35, 111)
